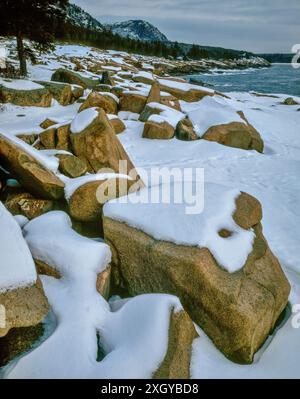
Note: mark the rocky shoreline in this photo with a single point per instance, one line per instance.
(68, 245)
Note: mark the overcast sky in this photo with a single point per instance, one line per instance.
(253, 25)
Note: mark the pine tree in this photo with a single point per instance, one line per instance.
(34, 20)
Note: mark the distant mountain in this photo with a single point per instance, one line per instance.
(138, 30)
(145, 32)
(78, 17)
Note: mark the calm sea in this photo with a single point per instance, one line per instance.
(279, 78)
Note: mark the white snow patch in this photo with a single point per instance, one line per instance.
(170, 222)
(17, 267)
(20, 84)
(134, 338)
(83, 119)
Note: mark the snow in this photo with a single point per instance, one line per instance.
(111, 95)
(16, 120)
(272, 177)
(81, 313)
(51, 240)
(21, 220)
(20, 84)
(128, 116)
(17, 269)
(83, 120)
(171, 222)
(143, 74)
(71, 185)
(167, 114)
(210, 112)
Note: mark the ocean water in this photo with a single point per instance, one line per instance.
(279, 78)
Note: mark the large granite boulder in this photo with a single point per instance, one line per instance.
(218, 263)
(25, 93)
(217, 120)
(62, 92)
(19, 159)
(132, 102)
(236, 134)
(183, 90)
(95, 142)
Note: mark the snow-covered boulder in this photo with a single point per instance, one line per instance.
(62, 92)
(220, 122)
(34, 172)
(75, 78)
(161, 121)
(132, 102)
(106, 102)
(24, 93)
(95, 142)
(22, 299)
(143, 77)
(184, 91)
(217, 262)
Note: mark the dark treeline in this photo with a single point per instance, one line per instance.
(109, 41)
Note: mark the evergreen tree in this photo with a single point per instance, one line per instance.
(35, 20)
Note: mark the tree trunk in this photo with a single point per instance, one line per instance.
(21, 55)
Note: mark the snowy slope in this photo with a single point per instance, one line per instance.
(138, 30)
(78, 17)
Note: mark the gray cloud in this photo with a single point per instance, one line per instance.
(254, 25)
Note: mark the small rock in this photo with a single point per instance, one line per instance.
(161, 131)
(71, 166)
(185, 131)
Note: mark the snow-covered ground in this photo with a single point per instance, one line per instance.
(272, 177)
